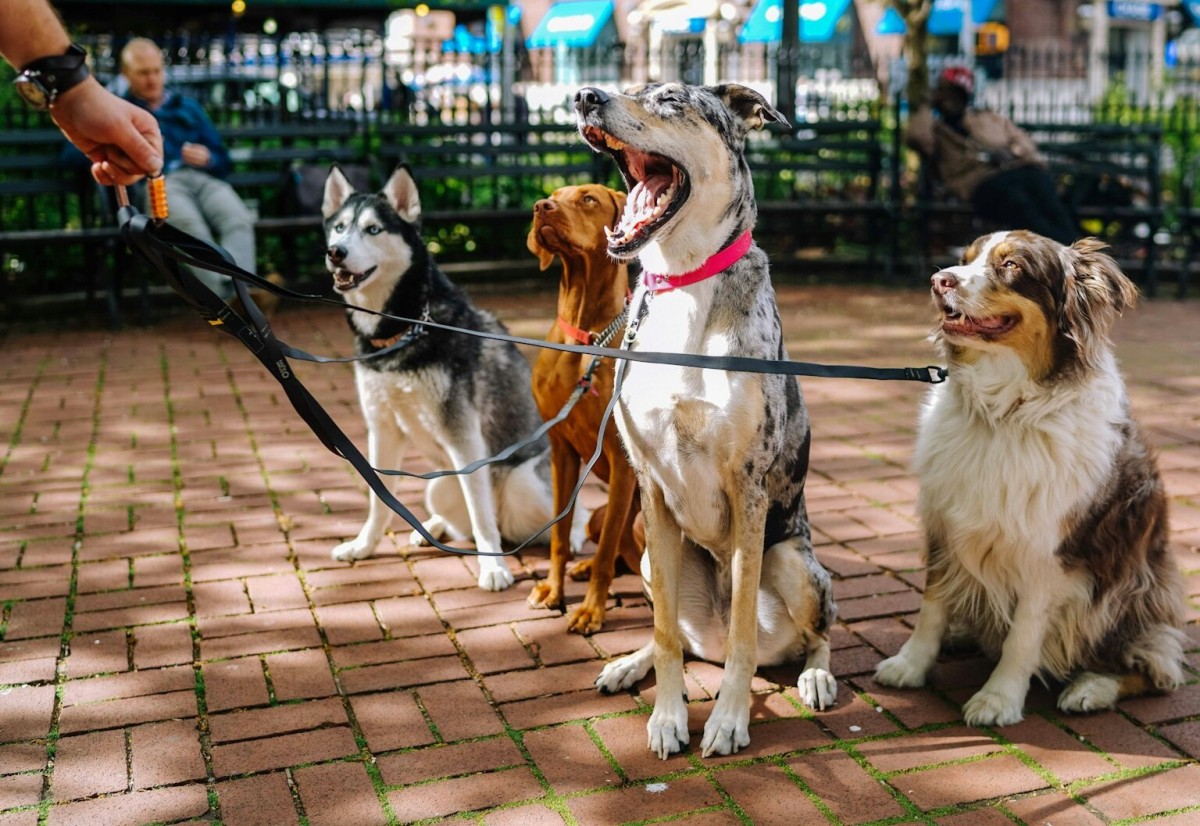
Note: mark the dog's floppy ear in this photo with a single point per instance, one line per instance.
(1096, 292)
(618, 205)
(401, 192)
(544, 256)
(337, 189)
(748, 105)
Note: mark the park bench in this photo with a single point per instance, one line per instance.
(824, 182)
(1109, 176)
(267, 162)
(49, 210)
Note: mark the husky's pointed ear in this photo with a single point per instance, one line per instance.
(748, 105)
(401, 192)
(337, 189)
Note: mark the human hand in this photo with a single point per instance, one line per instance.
(195, 154)
(1001, 157)
(122, 140)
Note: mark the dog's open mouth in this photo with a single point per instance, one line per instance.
(344, 280)
(957, 324)
(657, 186)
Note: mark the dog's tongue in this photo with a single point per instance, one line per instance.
(646, 202)
(968, 324)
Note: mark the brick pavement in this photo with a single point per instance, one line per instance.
(177, 646)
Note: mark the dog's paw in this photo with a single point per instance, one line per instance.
(354, 549)
(586, 619)
(581, 571)
(899, 672)
(817, 688)
(727, 731)
(495, 576)
(622, 673)
(992, 708)
(436, 527)
(667, 729)
(1090, 692)
(544, 595)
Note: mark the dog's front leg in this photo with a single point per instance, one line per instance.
(728, 727)
(385, 449)
(907, 669)
(667, 728)
(918, 654)
(791, 571)
(480, 499)
(622, 485)
(1001, 701)
(564, 473)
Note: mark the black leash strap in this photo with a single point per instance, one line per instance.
(184, 249)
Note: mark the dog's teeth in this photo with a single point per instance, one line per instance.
(612, 142)
(610, 234)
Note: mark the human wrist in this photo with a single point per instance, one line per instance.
(44, 80)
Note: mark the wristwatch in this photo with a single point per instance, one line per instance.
(43, 80)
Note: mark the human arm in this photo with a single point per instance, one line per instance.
(30, 29)
(205, 150)
(121, 140)
(1021, 143)
(920, 130)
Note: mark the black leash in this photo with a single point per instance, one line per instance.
(167, 248)
(198, 253)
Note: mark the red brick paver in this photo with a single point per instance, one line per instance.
(177, 645)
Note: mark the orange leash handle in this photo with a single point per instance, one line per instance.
(158, 197)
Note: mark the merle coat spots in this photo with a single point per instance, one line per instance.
(721, 457)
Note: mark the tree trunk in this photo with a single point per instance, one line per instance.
(916, 47)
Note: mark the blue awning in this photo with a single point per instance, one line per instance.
(944, 20)
(947, 15)
(466, 43)
(818, 19)
(577, 23)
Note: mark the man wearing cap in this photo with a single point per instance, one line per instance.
(983, 158)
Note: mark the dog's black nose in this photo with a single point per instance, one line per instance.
(944, 282)
(336, 254)
(545, 205)
(589, 98)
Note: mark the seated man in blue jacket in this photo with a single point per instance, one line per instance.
(200, 201)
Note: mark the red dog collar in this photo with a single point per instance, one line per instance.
(720, 262)
(582, 336)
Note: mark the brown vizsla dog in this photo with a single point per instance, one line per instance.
(570, 224)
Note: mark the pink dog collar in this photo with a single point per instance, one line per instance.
(720, 262)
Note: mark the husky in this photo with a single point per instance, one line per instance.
(720, 458)
(454, 397)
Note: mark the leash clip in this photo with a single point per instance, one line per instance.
(586, 384)
(937, 374)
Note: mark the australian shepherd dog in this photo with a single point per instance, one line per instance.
(1044, 514)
